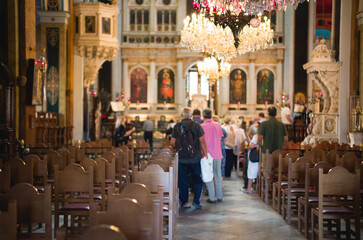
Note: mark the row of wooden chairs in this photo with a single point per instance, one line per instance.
(323, 145)
(293, 178)
(73, 201)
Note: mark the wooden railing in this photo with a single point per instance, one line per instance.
(296, 132)
(49, 132)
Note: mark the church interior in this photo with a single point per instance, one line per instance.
(73, 71)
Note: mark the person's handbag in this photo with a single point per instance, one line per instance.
(254, 155)
(207, 168)
(231, 139)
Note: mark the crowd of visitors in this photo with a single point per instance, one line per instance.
(196, 137)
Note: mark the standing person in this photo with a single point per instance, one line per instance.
(196, 116)
(261, 117)
(273, 133)
(229, 151)
(252, 166)
(286, 114)
(213, 134)
(252, 130)
(148, 128)
(241, 136)
(223, 146)
(169, 129)
(122, 136)
(189, 162)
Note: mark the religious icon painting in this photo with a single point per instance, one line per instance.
(237, 86)
(106, 25)
(265, 86)
(90, 24)
(139, 86)
(166, 80)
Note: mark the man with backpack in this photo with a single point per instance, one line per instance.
(189, 142)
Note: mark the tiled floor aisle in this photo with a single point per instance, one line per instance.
(239, 216)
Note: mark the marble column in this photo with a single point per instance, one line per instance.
(181, 14)
(278, 84)
(311, 39)
(223, 97)
(152, 18)
(117, 63)
(251, 82)
(180, 93)
(289, 26)
(125, 20)
(152, 87)
(344, 57)
(116, 76)
(279, 22)
(126, 85)
(78, 101)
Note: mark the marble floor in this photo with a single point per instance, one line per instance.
(239, 216)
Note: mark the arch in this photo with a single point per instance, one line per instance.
(139, 78)
(238, 86)
(265, 86)
(166, 85)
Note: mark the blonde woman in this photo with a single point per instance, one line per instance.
(122, 136)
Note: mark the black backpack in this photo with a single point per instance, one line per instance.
(184, 143)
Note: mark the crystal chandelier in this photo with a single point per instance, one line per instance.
(213, 69)
(250, 7)
(256, 38)
(202, 35)
(236, 14)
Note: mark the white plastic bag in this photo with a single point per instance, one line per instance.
(207, 168)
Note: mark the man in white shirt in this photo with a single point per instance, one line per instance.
(286, 114)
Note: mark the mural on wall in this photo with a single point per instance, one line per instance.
(166, 80)
(237, 89)
(138, 86)
(52, 80)
(265, 87)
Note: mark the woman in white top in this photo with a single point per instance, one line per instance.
(229, 151)
(252, 166)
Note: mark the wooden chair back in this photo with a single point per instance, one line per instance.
(349, 161)
(296, 172)
(33, 208)
(20, 171)
(105, 143)
(164, 165)
(102, 232)
(110, 171)
(99, 178)
(315, 155)
(8, 222)
(331, 157)
(341, 183)
(272, 160)
(149, 202)
(134, 223)
(130, 153)
(69, 184)
(40, 169)
(54, 159)
(66, 155)
(72, 153)
(293, 156)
